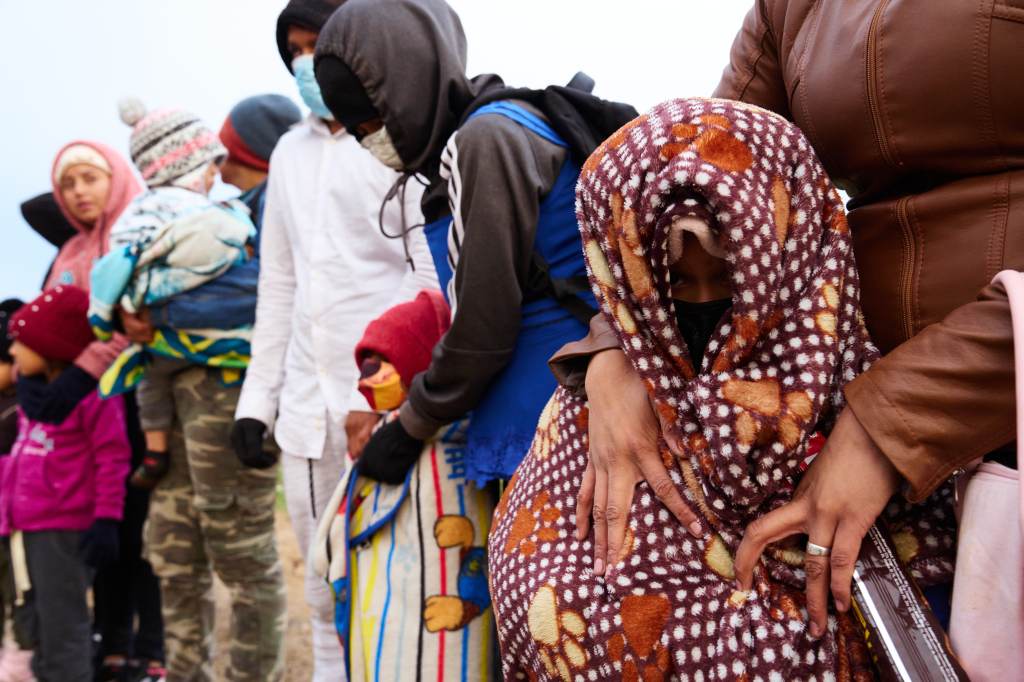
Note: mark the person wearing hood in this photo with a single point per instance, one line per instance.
(92, 186)
(936, 209)
(327, 268)
(735, 296)
(500, 223)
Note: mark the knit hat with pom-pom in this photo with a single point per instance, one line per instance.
(168, 144)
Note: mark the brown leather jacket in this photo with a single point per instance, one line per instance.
(916, 109)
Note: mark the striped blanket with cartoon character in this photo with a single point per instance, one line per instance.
(408, 568)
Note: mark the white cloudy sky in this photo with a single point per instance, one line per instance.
(65, 63)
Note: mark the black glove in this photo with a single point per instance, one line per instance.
(52, 403)
(247, 440)
(389, 454)
(101, 544)
(154, 467)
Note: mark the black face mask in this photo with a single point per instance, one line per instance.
(344, 95)
(697, 322)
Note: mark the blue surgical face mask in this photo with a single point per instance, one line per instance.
(309, 88)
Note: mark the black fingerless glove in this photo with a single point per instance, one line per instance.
(389, 454)
(247, 440)
(101, 544)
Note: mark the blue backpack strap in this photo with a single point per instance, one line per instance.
(523, 117)
(540, 284)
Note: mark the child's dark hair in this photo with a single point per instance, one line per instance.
(7, 310)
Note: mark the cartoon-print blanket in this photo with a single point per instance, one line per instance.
(408, 568)
(740, 419)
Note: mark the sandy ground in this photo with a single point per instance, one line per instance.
(297, 664)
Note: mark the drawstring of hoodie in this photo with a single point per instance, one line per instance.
(398, 191)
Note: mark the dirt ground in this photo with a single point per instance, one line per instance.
(297, 664)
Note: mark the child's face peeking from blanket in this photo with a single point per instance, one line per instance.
(380, 383)
(697, 275)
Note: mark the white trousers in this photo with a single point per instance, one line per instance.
(308, 486)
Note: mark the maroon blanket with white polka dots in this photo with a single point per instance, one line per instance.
(740, 419)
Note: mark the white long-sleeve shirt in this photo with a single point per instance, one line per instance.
(326, 271)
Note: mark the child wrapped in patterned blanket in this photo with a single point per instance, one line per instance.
(720, 254)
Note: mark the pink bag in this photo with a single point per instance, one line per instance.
(987, 623)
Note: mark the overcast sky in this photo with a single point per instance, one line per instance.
(67, 62)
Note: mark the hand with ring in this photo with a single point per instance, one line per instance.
(840, 497)
(817, 550)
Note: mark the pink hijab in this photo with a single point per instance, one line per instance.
(75, 259)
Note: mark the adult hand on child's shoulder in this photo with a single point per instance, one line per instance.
(247, 439)
(624, 434)
(138, 326)
(843, 492)
(358, 429)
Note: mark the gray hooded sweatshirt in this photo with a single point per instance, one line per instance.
(491, 176)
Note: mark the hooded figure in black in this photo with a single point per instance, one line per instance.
(501, 167)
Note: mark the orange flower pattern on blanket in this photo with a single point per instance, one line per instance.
(533, 524)
(712, 141)
(766, 414)
(638, 647)
(773, 374)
